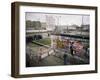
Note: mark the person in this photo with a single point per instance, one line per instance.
(65, 59)
(71, 48)
(87, 52)
(39, 54)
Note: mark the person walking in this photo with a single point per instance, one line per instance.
(65, 58)
(71, 48)
(39, 54)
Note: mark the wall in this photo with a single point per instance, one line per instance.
(5, 40)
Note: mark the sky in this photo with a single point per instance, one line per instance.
(58, 19)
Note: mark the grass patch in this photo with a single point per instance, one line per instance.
(46, 41)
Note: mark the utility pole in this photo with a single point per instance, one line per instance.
(82, 24)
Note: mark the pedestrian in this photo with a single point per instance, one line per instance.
(65, 59)
(71, 48)
(39, 54)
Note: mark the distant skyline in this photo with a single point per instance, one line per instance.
(58, 19)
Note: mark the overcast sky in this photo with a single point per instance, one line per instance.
(61, 19)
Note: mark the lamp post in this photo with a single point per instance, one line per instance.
(82, 24)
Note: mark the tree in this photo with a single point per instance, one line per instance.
(36, 25)
(28, 24)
